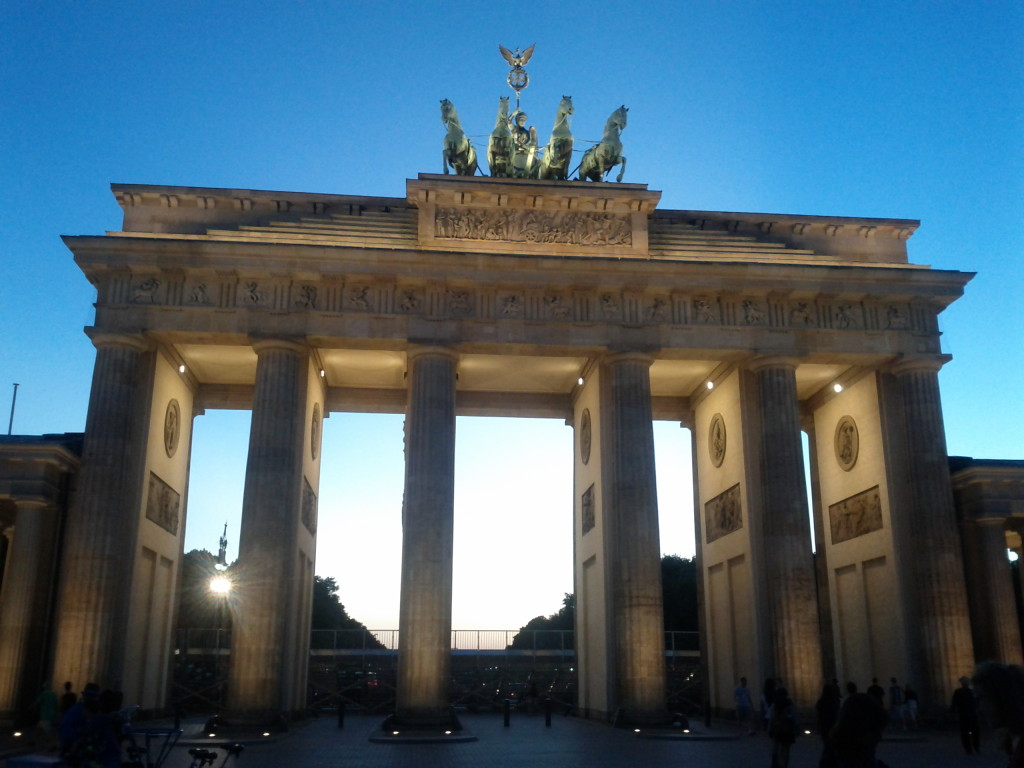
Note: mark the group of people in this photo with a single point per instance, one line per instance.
(851, 725)
(86, 730)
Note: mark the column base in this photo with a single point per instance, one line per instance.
(422, 730)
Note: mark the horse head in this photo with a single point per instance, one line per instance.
(503, 106)
(565, 105)
(448, 112)
(618, 117)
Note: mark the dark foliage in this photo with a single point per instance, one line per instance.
(201, 610)
(679, 591)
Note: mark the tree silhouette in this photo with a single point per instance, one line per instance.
(679, 594)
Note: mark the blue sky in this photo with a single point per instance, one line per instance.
(890, 109)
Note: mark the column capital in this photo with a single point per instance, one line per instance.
(760, 363)
(103, 339)
(296, 345)
(430, 350)
(922, 363)
(614, 357)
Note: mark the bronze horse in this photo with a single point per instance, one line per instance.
(558, 152)
(599, 160)
(458, 152)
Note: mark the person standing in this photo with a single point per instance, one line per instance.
(896, 703)
(910, 707)
(46, 728)
(876, 690)
(767, 696)
(966, 708)
(1001, 699)
(782, 727)
(744, 706)
(68, 699)
(855, 737)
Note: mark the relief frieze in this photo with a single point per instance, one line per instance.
(856, 516)
(588, 519)
(569, 303)
(723, 514)
(529, 226)
(309, 508)
(163, 504)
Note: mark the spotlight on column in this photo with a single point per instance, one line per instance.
(580, 381)
(322, 373)
(710, 385)
(181, 368)
(837, 388)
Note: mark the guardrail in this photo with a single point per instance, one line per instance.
(218, 641)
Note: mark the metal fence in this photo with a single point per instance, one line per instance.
(357, 669)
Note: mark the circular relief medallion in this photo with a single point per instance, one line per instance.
(716, 440)
(585, 435)
(314, 432)
(172, 428)
(847, 443)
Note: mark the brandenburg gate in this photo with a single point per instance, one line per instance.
(524, 297)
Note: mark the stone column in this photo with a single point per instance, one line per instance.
(428, 525)
(943, 631)
(786, 538)
(631, 510)
(24, 605)
(264, 586)
(990, 586)
(102, 525)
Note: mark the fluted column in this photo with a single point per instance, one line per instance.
(102, 526)
(937, 562)
(428, 525)
(990, 585)
(786, 546)
(631, 509)
(24, 604)
(264, 577)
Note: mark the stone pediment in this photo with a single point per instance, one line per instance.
(568, 218)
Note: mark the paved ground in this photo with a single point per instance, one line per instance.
(568, 743)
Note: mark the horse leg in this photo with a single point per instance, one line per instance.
(622, 170)
(444, 160)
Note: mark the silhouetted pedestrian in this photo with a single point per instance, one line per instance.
(876, 690)
(896, 703)
(744, 706)
(910, 706)
(827, 709)
(1001, 701)
(856, 734)
(68, 699)
(781, 727)
(966, 708)
(767, 697)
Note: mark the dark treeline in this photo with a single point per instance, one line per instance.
(202, 610)
(679, 592)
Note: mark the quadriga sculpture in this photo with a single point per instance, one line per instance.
(499, 146)
(598, 161)
(558, 152)
(458, 153)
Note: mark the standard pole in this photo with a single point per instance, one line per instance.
(10, 424)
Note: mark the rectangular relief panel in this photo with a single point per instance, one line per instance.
(163, 505)
(723, 514)
(855, 516)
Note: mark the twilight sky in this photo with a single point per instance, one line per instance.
(889, 109)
